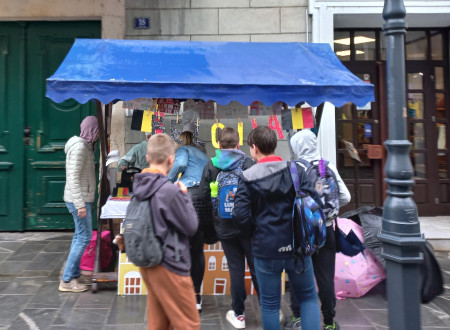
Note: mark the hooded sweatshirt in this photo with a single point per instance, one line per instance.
(172, 210)
(304, 145)
(80, 172)
(225, 160)
(89, 129)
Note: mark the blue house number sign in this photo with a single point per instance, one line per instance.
(141, 23)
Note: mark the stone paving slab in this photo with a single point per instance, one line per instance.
(29, 296)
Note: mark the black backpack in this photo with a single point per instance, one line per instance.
(325, 183)
(142, 246)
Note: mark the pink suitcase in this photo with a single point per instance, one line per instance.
(88, 258)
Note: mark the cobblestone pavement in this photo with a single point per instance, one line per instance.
(30, 266)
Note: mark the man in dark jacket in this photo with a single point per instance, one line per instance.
(263, 209)
(170, 298)
(236, 246)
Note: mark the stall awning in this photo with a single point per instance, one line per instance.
(109, 70)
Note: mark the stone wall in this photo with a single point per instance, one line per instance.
(110, 12)
(219, 20)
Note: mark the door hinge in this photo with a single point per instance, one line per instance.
(433, 119)
(436, 200)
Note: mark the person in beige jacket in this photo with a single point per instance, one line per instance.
(79, 194)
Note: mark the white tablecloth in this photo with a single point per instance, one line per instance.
(114, 209)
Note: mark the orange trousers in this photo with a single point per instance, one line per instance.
(171, 302)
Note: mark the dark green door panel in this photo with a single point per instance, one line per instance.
(51, 124)
(32, 175)
(12, 64)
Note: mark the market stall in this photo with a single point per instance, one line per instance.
(110, 70)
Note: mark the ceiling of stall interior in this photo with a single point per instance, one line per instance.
(376, 20)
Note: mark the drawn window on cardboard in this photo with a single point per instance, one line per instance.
(212, 263)
(133, 283)
(220, 286)
(224, 264)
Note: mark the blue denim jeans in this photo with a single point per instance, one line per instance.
(268, 273)
(81, 239)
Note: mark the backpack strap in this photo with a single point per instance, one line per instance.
(294, 176)
(304, 163)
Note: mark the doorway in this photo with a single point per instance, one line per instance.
(33, 129)
(363, 52)
(427, 103)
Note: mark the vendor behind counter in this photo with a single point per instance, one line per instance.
(136, 156)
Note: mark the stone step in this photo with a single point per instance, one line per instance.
(437, 231)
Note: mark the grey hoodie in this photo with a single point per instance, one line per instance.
(172, 210)
(304, 145)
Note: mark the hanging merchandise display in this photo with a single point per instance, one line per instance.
(286, 119)
(140, 103)
(174, 131)
(254, 123)
(302, 118)
(274, 124)
(136, 120)
(158, 123)
(196, 132)
(214, 133)
(241, 132)
(147, 121)
(169, 106)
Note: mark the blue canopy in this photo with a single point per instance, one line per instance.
(109, 70)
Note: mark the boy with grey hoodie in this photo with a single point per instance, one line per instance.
(304, 145)
(171, 300)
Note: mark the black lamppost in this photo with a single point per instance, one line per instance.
(400, 232)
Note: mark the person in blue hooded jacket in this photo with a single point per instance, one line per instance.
(263, 210)
(188, 168)
(236, 246)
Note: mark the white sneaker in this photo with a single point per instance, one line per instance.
(237, 321)
(72, 286)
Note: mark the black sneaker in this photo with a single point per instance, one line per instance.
(333, 326)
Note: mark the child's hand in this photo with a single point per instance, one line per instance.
(181, 185)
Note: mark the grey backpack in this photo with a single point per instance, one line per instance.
(142, 246)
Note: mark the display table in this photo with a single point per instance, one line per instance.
(114, 208)
(129, 282)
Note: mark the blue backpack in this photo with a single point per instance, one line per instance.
(228, 181)
(308, 221)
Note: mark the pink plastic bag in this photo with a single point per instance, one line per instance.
(88, 258)
(355, 276)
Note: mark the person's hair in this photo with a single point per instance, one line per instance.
(159, 147)
(187, 138)
(229, 138)
(264, 138)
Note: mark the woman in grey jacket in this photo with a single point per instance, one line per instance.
(79, 194)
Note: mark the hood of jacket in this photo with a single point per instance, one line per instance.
(145, 185)
(304, 145)
(89, 129)
(227, 159)
(74, 140)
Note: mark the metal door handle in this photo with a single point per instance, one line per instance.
(26, 135)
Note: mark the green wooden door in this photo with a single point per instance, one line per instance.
(11, 127)
(32, 171)
(51, 124)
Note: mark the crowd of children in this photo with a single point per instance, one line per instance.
(249, 200)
